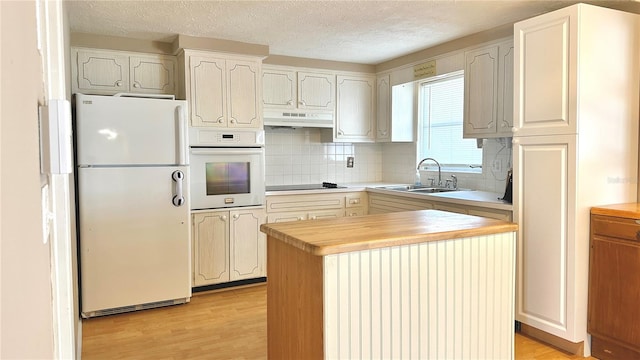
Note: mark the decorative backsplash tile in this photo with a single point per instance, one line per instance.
(296, 156)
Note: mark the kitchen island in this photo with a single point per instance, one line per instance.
(416, 284)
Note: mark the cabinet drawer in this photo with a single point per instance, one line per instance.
(621, 228)
(305, 202)
(286, 217)
(358, 200)
(355, 212)
(326, 214)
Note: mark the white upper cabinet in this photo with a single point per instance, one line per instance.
(547, 81)
(223, 91)
(383, 115)
(395, 105)
(316, 91)
(105, 72)
(279, 89)
(355, 109)
(285, 88)
(505, 89)
(488, 91)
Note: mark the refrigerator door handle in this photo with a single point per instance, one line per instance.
(181, 141)
(178, 198)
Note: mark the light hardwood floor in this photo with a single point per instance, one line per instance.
(229, 324)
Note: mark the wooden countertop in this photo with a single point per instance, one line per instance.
(629, 210)
(333, 236)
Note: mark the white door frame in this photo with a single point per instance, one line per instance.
(51, 35)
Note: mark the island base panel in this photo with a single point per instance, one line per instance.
(294, 303)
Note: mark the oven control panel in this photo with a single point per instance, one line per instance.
(203, 137)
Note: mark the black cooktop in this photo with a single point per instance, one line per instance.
(324, 185)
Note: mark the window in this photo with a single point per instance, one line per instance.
(441, 103)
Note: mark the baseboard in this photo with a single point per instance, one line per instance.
(233, 285)
(557, 342)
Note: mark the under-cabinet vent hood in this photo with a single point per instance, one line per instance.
(298, 119)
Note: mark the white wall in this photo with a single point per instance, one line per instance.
(26, 330)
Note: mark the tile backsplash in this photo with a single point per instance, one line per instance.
(296, 156)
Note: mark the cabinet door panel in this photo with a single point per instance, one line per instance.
(544, 79)
(247, 244)
(505, 89)
(210, 248)
(316, 91)
(614, 290)
(279, 89)
(152, 74)
(243, 94)
(102, 71)
(355, 108)
(480, 91)
(383, 118)
(543, 185)
(208, 97)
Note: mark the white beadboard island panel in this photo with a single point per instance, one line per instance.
(432, 300)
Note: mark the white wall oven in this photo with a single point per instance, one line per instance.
(227, 168)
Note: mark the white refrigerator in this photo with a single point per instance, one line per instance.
(133, 203)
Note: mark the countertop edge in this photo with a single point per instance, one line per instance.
(443, 197)
(492, 226)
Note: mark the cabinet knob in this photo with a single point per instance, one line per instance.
(235, 216)
(290, 102)
(515, 141)
(136, 85)
(302, 102)
(489, 126)
(233, 121)
(223, 217)
(220, 121)
(118, 83)
(340, 132)
(514, 129)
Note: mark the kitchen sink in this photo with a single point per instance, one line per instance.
(421, 189)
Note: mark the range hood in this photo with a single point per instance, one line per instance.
(297, 119)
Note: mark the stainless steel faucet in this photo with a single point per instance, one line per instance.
(439, 168)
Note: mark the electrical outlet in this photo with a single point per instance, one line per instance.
(350, 161)
(497, 165)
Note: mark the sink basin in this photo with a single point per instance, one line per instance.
(432, 190)
(421, 189)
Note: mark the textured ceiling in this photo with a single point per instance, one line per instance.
(367, 32)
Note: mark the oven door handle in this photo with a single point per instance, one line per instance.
(227, 151)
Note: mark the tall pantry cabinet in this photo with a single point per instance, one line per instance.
(575, 145)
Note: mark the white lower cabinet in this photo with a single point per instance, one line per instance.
(282, 208)
(383, 203)
(228, 246)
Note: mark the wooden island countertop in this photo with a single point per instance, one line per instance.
(335, 236)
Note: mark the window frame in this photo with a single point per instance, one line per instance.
(468, 168)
